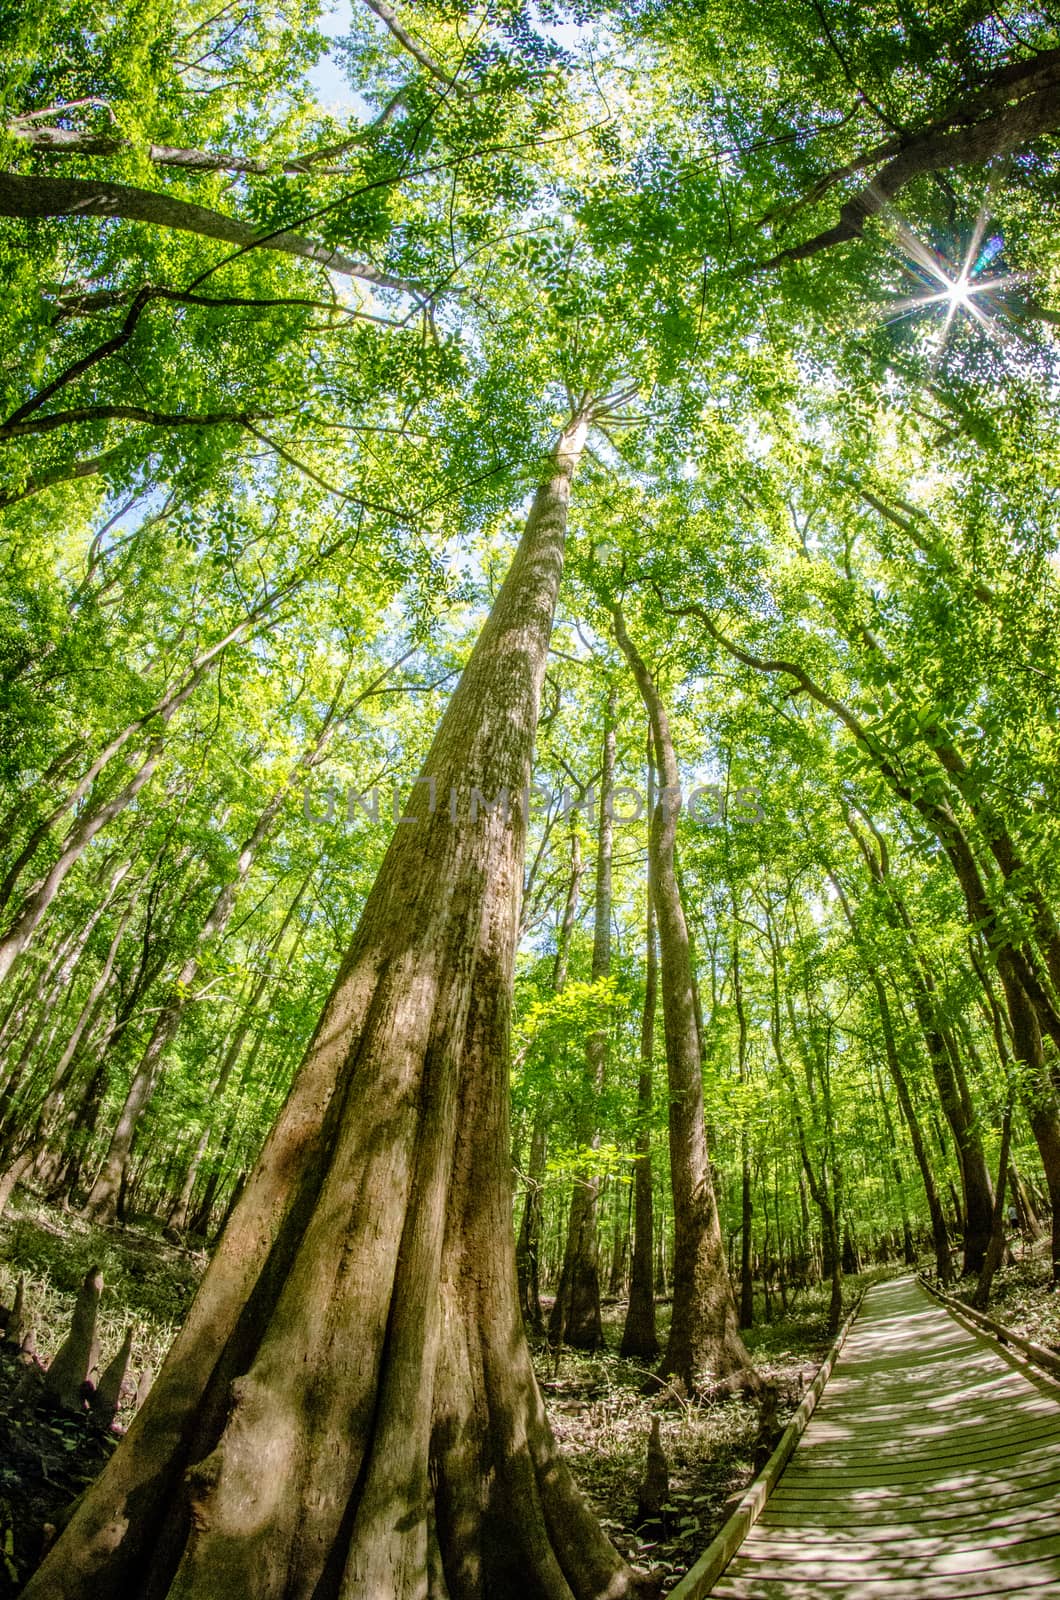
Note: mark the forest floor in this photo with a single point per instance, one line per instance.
(602, 1406)
(599, 1407)
(1023, 1296)
(48, 1457)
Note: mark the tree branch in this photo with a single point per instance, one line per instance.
(36, 195)
(75, 141)
(64, 474)
(1017, 105)
(155, 419)
(387, 15)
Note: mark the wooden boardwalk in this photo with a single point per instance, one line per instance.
(930, 1470)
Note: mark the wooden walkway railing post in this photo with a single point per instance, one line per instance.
(700, 1579)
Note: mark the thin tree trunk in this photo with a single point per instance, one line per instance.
(747, 1295)
(575, 1318)
(639, 1338)
(704, 1327)
(528, 1249)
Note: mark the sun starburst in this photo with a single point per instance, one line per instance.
(958, 288)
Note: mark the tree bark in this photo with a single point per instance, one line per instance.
(747, 1294)
(639, 1338)
(575, 1317)
(704, 1332)
(528, 1249)
(41, 195)
(350, 1406)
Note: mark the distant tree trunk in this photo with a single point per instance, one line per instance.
(1030, 1221)
(908, 1247)
(995, 1254)
(747, 1293)
(662, 1285)
(639, 1338)
(939, 1231)
(704, 1327)
(101, 1203)
(350, 1404)
(575, 1317)
(81, 1125)
(178, 1211)
(616, 1278)
(528, 1248)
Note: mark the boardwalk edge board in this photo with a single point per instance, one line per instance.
(1042, 1357)
(700, 1579)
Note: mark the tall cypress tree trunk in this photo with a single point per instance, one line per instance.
(639, 1338)
(704, 1332)
(350, 1403)
(575, 1315)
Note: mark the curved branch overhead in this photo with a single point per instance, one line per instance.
(41, 195)
(1020, 104)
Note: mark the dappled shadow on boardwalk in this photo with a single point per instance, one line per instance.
(930, 1471)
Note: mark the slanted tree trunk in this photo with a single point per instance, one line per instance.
(39, 195)
(181, 1206)
(23, 926)
(1030, 1221)
(939, 1232)
(639, 1338)
(704, 1332)
(32, 1151)
(350, 1405)
(101, 1204)
(575, 1316)
(996, 1252)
